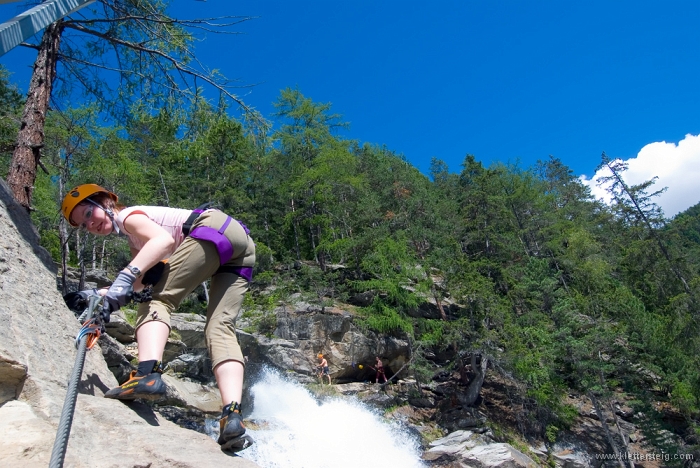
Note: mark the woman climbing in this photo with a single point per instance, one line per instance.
(199, 244)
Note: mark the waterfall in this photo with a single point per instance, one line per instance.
(296, 431)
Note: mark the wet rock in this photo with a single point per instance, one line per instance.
(379, 399)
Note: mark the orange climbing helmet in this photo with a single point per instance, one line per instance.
(79, 194)
(320, 355)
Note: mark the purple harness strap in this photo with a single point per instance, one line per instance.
(244, 272)
(223, 246)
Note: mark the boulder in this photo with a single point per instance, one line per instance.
(469, 448)
(192, 395)
(497, 455)
(120, 329)
(118, 358)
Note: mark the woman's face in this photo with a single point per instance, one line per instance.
(92, 219)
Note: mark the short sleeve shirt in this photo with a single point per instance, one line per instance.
(170, 219)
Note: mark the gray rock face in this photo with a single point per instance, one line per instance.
(497, 455)
(475, 450)
(37, 353)
(304, 330)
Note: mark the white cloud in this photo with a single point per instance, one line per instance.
(677, 167)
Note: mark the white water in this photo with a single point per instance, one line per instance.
(301, 433)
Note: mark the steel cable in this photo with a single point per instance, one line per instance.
(60, 444)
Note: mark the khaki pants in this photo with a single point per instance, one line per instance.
(191, 264)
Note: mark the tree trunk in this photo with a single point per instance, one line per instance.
(469, 397)
(63, 236)
(64, 259)
(625, 445)
(30, 138)
(206, 291)
(436, 296)
(102, 255)
(81, 260)
(296, 233)
(608, 434)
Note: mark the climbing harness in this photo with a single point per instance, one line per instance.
(217, 237)
(85, 339)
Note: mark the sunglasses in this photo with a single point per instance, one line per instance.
(86, 217)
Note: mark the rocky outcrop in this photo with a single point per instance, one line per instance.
(303, 330)
(469, 449)
(37, 354)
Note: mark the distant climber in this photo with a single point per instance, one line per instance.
(323, 369)
(379, 369)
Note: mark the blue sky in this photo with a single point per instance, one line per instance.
(505, 81)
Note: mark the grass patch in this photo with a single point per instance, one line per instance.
(321, 391)
(130, 317)
(431, 433)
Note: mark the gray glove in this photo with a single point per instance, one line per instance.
(118, 295)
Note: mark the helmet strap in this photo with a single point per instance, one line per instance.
(109, 212)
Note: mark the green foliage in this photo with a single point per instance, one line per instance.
(551, 433)
(559, 291)
(11, 103)
(194, 303)
(265, 323)
(685, 397)
(384, 319)
(130, 316)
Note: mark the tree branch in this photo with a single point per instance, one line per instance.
(177, 65)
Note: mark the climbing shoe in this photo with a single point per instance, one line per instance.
(148, 386)
(232, 436)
